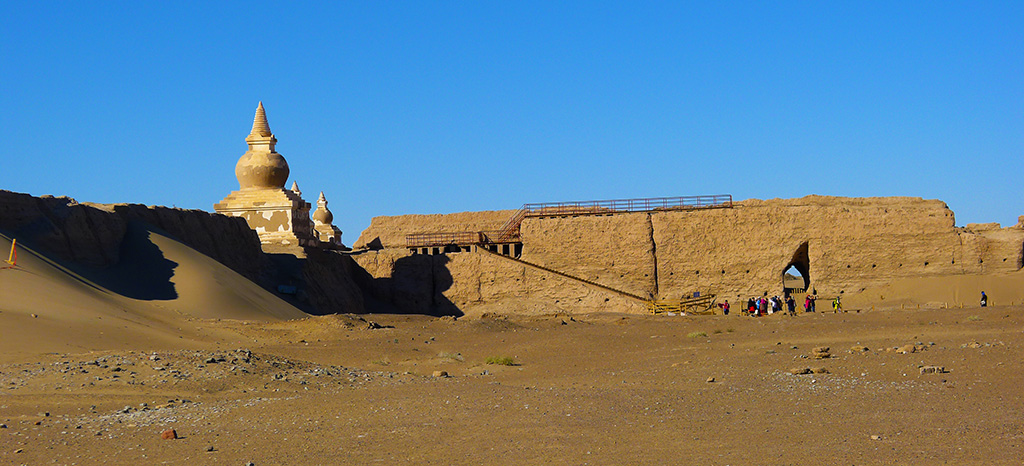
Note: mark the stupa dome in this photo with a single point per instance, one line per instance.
(322, 214)
(261, 166)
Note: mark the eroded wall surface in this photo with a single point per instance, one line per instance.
(848, 244)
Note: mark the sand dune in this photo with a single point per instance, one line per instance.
(46, 306)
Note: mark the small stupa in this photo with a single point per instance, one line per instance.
(279, 215)
(323, 223)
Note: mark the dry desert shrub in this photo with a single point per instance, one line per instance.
(500, 360)
(451, 356)
(697, 334)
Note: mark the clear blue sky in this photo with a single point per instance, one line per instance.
(422, 107)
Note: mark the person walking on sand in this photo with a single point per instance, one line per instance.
(984, 300)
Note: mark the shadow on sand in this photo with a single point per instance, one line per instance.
(142, 271)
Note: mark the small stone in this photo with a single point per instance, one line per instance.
(20, 449)
(169, 434)
(820, 370)
(711, 380)
(800, 371)
(820, 349)
(876, 437)
(210, 448)
(933, 370)
(3, 426)
(34, 316)
(441, 374)
(822, 355)
(859, 349)
(906, 349)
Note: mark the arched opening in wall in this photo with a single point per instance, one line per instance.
(796, 275)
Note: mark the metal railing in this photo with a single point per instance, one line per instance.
(443, 239)
(628, 205)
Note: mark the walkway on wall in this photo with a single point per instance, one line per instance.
(571, 277)
(509, 232)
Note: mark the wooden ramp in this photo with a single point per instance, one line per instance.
(701, 305)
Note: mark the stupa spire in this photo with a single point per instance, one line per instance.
(260, 138)
(260, 126)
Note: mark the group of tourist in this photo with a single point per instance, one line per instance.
(763, 305)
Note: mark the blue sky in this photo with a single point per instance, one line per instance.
(421, 107)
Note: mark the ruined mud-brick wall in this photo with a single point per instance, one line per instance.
(472, 283)
(851, 244)
(390, 232)
(844, 244)
(92, 235)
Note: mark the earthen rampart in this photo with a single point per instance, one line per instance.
(841, 245)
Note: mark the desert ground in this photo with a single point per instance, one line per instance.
(90, 376)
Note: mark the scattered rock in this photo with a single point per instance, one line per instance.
(820, 370)
(441, 374)
(711, 380)
(800, 371)
(34, 316)
(876, 437)
(820, 349)
(859, 349)
(210, 448)
(19, 450)
(169, 434)
(906, 349)
(933, 370)
(821, 352)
